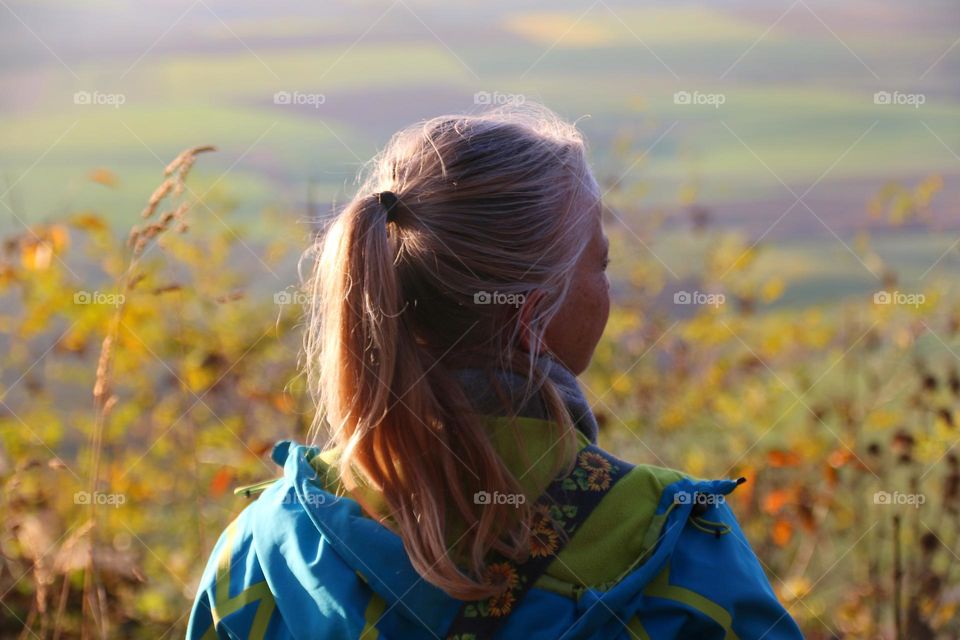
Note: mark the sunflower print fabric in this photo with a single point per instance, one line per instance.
(555, 518)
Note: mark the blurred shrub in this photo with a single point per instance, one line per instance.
(843, 418)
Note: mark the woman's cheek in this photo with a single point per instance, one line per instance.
(601, 305)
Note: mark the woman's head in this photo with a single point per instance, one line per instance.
(573, 332)
(493, 255)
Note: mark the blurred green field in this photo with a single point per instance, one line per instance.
(798, 101)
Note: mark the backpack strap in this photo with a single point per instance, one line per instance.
(557, 515)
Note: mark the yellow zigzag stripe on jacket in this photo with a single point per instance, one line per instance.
(660, 587)
(374, 613)
(225, 605)
(635, 627)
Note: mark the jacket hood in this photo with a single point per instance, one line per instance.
(297, 520)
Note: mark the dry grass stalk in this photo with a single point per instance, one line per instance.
(105, 400)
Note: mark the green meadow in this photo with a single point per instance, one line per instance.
(797, 98)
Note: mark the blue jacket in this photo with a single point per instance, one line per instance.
(302, 562)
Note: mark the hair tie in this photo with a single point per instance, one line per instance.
(389, 201)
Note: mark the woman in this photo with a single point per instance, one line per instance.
(461, 493)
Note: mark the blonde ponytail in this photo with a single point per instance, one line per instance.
(494, 202)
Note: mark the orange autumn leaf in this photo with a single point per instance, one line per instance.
(284, 402)
(7, 274)
(260, 447)
(783, 458)
(221, 481)
(782, 532)
(839, 457)
(38, 247)
(831, 474)
(776, 500)
(104, 176)
(36, 255)
(88, 221)
(58, 236)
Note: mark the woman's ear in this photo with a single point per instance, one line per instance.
(527, 312)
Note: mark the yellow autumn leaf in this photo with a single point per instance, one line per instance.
(104, 176)
(794, 588)
(772, 289)
(36, 255)
(88, 221)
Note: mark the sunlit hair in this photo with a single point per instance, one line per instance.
(500, 201)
